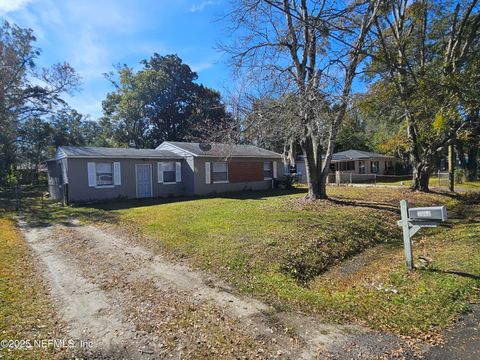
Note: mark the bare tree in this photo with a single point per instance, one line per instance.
(311, 50)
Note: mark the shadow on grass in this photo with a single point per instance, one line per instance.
(461, 212)
(43, 213)
(367, 204)
(449, 194)
(37, 213)
(465, 211)
(238, 195)
(452, 272)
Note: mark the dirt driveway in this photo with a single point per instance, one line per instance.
(130, 303)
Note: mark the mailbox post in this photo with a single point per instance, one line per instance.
(414, 219)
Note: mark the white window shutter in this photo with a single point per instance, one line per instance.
(160, 172)
(117, 174)
(178, 172)
(274, 169)
(207, 173)
(92, 176)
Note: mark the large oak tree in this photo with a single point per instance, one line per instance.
(426, 54)
(161, 102)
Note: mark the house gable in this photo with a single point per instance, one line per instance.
(174, 149)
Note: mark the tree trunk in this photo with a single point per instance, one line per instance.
(313, 166)
(471, 172)
(421, 177)
(290, 155)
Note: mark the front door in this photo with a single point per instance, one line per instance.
(144, 180)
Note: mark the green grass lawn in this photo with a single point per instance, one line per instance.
(295, 254)
(341, 259)
(436, 183)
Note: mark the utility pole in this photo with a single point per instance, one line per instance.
(451, 166)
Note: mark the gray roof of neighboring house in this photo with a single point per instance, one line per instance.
(353, 155)
(224, 150)
(357, 155)
(105, 152)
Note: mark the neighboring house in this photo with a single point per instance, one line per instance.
(352, 165)
(172, 169)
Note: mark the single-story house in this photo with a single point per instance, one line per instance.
(352, 165)
(81, 173)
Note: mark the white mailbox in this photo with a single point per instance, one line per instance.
(413, 219)
(433, 213)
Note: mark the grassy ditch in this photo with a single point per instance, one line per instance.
(290, 252)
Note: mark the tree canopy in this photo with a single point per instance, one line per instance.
(308, 51)
(161, 102)
(27, 93)
(426, 58)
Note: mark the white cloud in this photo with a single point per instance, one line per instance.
(197, 67)
(201, 6)
(7, 6)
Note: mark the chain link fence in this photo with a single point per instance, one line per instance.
(437, 179)
(441, 179)
(342, 178)
(22, 197)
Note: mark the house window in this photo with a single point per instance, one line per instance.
(219, 172)
(389, 165)
(374, 167)
(332, 167)
(361, 167)
(347, 165)
(267, 170)
(169, 172)
(104, 174)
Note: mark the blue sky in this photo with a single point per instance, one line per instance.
(93, 35)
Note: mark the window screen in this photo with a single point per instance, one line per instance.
(104, 173)
(361, 167)
(169, 172)
(219, 171)
(267, 170)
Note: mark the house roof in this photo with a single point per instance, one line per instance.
(357, 155)
(220, 150)
(105, 152)
(352, 155)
